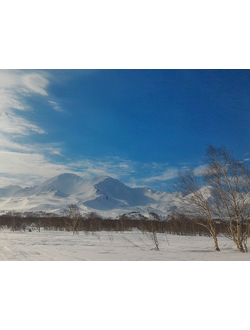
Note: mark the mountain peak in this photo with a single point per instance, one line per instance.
(65, 176)
(66, 183)
(101, 178)
(9, 190)
(12, 186)
(68, 175)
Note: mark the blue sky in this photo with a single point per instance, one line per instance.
(139, 126)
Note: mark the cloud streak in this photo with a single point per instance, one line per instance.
(111, 166)
(169, 174)
(27, 168)
(55, 105)
(15, 88)
(10, 123)
(23, 81)
(36, 83)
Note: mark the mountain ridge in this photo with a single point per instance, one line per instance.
(103, 194)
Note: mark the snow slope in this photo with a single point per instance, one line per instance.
(105, 195)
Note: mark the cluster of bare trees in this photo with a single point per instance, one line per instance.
(221, 192)
(174, 223)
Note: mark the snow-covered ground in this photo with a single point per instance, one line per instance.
(60, 245)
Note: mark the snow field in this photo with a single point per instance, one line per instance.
(112, 246)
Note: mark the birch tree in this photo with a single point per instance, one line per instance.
(230, 180)
(73, 218)
(195, 203)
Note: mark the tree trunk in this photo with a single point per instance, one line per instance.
(215, 242)
(213, 233)
(239, 238)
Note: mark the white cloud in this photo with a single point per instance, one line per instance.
(23, 81)
(169, 174)
(15, 86)
(10, 123)
(111, 166)
(9, 100)
(53, 151)
(25, 165)
(6, 181)
(10, 79)
(199, 170)
(55, 106)
(7, 144)
(35, 82)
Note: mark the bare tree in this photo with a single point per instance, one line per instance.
(12, 220)
(154, 218)
(230, 180)
(194, 203)
(73, 218)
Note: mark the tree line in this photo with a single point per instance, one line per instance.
(175, 223)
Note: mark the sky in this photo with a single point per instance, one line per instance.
(138, 126)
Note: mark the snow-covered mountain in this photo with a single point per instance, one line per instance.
(65, 183)
(105, 195)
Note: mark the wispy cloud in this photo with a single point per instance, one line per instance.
(24, 81)
(35, 82)
(15, 87)
(10, 123)
(199, 170)
(169, 174)
(112, 166)
(55, 105)
(132, 173)
(28, 167)
(16, 163)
